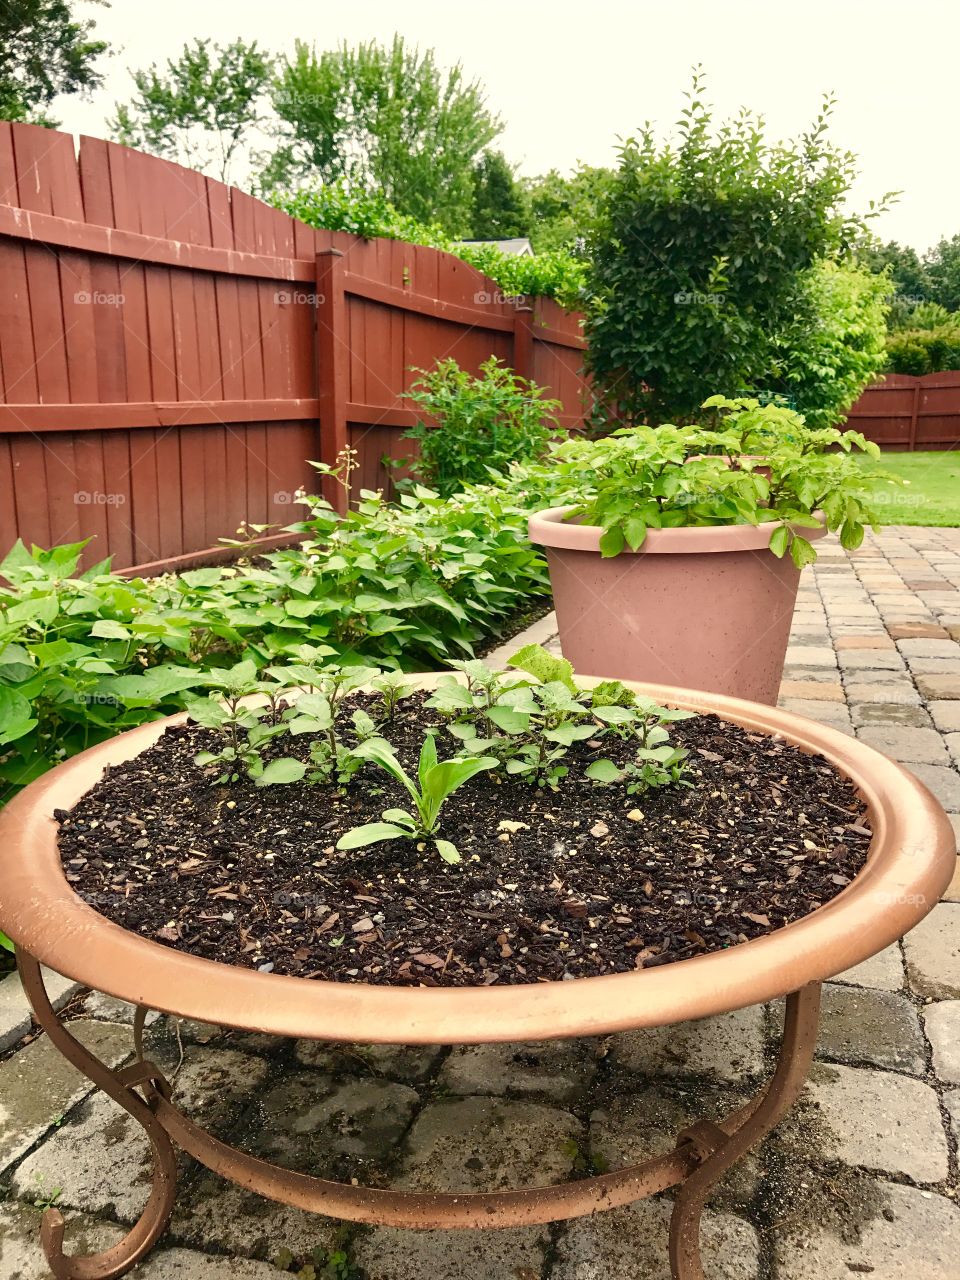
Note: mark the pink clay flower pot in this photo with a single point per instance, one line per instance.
(704, 608)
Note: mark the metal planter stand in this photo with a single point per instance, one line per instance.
(910, 863)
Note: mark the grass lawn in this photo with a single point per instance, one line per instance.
(932, 493)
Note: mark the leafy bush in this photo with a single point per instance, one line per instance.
(837, 345)
(485, 423)
(407, 585)
(557, 274)
(928, 349)
(755, 464)
(699, 255)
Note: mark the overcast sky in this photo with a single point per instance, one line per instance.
(569, 78)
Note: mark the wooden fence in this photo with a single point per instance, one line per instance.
(904, 412)
(173, 351)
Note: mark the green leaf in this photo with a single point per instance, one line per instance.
(612, 542)
(428, 758)
(802, 552)
(779, 540)
(5, 942)
(604, 771)
(568, 733)
(281, 771)
(509, 719)
(543, 666)
(107, 629)
(615, 714)
(371, 833)
(400, 817)
(447, 851)
(635, 531)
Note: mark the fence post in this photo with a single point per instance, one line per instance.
(523, 342)
(332, 369)
(914, 415)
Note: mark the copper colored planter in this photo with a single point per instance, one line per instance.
(909, 865)
(700, 608)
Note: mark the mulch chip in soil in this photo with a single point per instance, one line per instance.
(562, 884)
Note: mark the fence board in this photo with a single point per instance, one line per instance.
(166, 371)
(906, 413)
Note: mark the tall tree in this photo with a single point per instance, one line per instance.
(943, 268)
(44, 51)
(562, 209)
(499, 208)
(386, 119)
(697, 263)
(202, 110)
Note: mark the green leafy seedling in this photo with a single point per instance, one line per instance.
(436, 781)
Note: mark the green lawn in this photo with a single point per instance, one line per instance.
(931, 495)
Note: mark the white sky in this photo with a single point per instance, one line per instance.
(569, 78)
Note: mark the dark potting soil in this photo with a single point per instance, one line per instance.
(558, 884)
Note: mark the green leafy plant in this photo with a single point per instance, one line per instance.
(657, 763)
(244, 728)
(698, 257)
(481, 424)
(436, 781)
(750, 463)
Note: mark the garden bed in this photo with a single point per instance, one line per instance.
(554, 883)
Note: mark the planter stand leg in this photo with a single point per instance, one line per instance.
(121, 1087)
(797, 1046)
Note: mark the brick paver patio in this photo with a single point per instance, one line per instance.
(861, 1179)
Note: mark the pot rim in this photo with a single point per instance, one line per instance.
(909, 865)
(550, 528)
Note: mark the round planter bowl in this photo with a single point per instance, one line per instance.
(697, 608)
(909, 865)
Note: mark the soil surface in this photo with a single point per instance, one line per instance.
(554, 884)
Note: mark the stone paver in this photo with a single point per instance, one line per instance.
(881, 1121)
(858, 1025)
(941, 1022)
(946, 716)
(909, 745)
(15, 1018)
(38, 1085)
(403, 1062)
(486, 1144)
(884, 971)
(933, 953)
(729, 1047)
(514, 1254)
(915, 1236)
(557, 1069)
(630, 1244)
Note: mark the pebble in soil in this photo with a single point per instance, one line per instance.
(582, 880)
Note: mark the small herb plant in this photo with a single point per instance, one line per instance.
(486, 423)
(521, 723)
(436, 781)
(746, 463)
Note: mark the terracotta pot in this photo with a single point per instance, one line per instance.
(698, 608)
(909, 865)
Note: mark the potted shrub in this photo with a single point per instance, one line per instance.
(677, 557)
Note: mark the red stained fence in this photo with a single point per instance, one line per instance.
(173, 351)
(907, 413)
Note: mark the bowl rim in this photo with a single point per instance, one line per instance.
(551, 528)
(909, 865)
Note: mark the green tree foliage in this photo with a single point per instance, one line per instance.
(386, 119)
(908, 275)
(202, 109)
(556, 275)
(837, 344)
(43, 51)
(943, 268)
(499, 209)
(698, 260)
(562, 210)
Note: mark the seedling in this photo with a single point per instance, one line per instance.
(437, 779)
